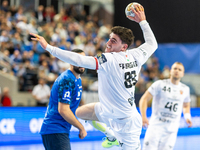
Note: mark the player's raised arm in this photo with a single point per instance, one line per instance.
(67, 56)
(150, 44)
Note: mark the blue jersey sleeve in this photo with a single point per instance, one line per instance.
(66, 91)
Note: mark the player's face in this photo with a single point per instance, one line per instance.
(115, 44)
(79, 70)
(177, 71)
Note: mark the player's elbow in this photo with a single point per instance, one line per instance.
(61, 112)
(141, 102)
(78, 113)
(154, 45)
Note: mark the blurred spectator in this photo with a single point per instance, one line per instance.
(39, 14)
(6, 99)
(16, 39)
(54, 64)
(138, 43)
(90, 49)
(94, 86)
(16, 57)
(31, 27)
(0, 96)
(20, 14)
(63, 33)
(104, 31)
(140, 87)
(41, 93)
(63, 66)
(49, 14)
(61, 16)
(4, 6)
(166, 72)
(22, 25)
(27, 75)
(4, 36)
(43, 70)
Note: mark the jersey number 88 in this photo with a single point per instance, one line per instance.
(129, 78)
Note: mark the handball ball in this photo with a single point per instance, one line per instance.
(128, 10)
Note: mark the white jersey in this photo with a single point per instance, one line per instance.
(117, 76)
(167, 103)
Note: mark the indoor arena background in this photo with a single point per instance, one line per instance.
(176, 26)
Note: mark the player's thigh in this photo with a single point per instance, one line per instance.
(168, 141)
(87, 112)
(57, 141)
(151, 139)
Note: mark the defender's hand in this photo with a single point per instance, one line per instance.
(82, 134)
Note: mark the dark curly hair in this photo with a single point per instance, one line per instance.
(125, 34)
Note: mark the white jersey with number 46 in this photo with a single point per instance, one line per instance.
(167, 103)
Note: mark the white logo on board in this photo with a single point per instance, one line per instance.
(7, 126)
(35, 125)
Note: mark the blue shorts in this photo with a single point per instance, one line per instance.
(56, 141)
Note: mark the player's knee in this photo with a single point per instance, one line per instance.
(78, 113)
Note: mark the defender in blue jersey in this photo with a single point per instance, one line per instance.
(65, 97)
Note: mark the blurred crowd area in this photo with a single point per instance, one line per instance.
(67, 29)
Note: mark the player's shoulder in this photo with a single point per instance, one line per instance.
(166, 81)
(160, 81)
(184, 85)
(103, 57)
(66, 78)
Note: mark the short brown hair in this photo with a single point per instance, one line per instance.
(125, 34)
(77, 50)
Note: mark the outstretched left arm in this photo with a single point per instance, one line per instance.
(67, 56)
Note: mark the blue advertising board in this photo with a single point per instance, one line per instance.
(21, 125)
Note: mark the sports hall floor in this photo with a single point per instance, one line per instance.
(182, 143)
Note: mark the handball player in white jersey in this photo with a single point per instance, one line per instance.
(118, 71)
(170, 98)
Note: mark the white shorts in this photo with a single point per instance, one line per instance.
(127, 130)
(158, 139)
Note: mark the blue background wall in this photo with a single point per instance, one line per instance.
(188, 54)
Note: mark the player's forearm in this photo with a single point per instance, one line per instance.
(72, 58)
(150, 41)
(186, 108)
(70, 118)
(147, 96)
(143, 107)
